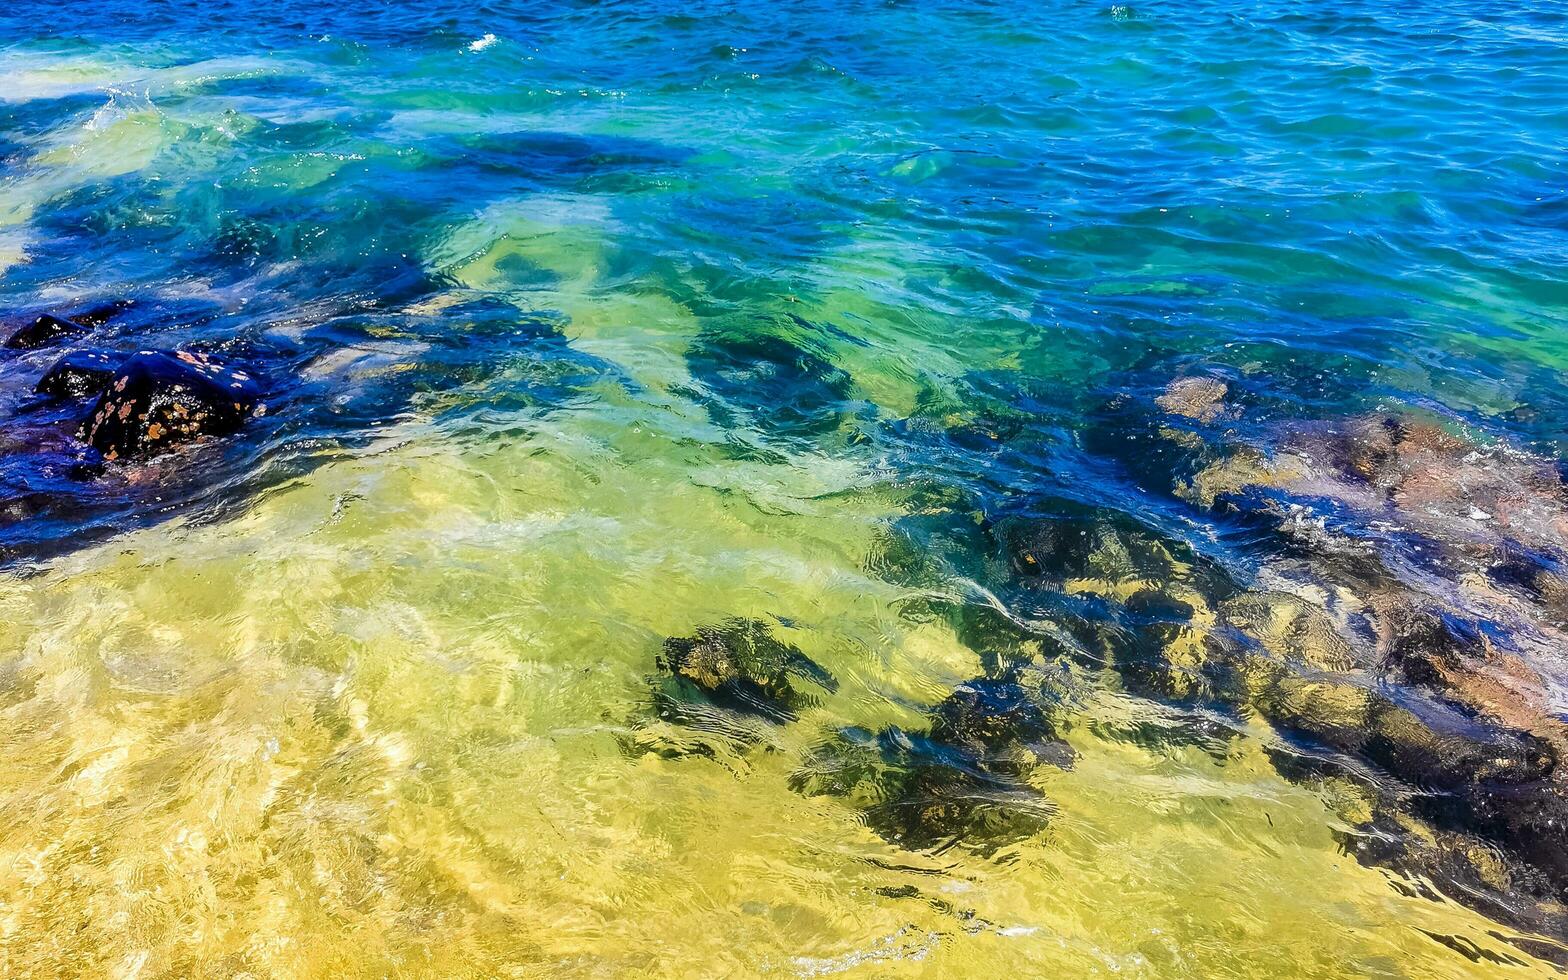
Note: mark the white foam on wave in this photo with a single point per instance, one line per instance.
(29, 84)
(482, 43)
(29, 77)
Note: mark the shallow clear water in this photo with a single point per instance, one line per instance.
(591, 325)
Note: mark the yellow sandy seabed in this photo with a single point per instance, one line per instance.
(373, 725)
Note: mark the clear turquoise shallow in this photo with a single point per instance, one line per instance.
(582, 229)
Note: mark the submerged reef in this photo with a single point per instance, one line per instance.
(1390, 601)
(1384, 590)
(1432, 560)
(124, 413)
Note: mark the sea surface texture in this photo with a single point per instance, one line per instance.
(729, 489)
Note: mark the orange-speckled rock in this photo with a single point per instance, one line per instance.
(160, 399)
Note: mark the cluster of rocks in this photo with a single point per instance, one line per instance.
(1388, 591)
(1398, 615)
(142, 403)
(1402, 627)
(964, 779)
(1394, 602)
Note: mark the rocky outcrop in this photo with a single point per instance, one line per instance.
(1408, 620)
(157, 400)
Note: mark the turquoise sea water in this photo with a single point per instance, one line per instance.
(587, 325)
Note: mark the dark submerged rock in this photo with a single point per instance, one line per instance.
(157, 400)
(41, 466)
(1049, 549)
(97, 316)
(44, 330)
(1001, 725)
(79, 374)
(1103, 591)
(962, 781)
(739, 665)
(1100, 551)
(1389, 592)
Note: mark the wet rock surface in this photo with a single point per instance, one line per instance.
(49, 329)
(94, 317)
(78, 374)
(156, 400)
(44, 330)
(59, 488)
(1199, 397)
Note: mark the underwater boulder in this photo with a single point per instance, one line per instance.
(1160, 441)
(935, 804)
(97, 316)
(1102, 552)
(1001, 725)
(1452, 864)
(740, 665)
(78, 374)
(1049, 549)
(783, 388)
(1350, 477)
(962, 781)
(160, 399)
(46, 329)
(1443, 726)
(1106, 591)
